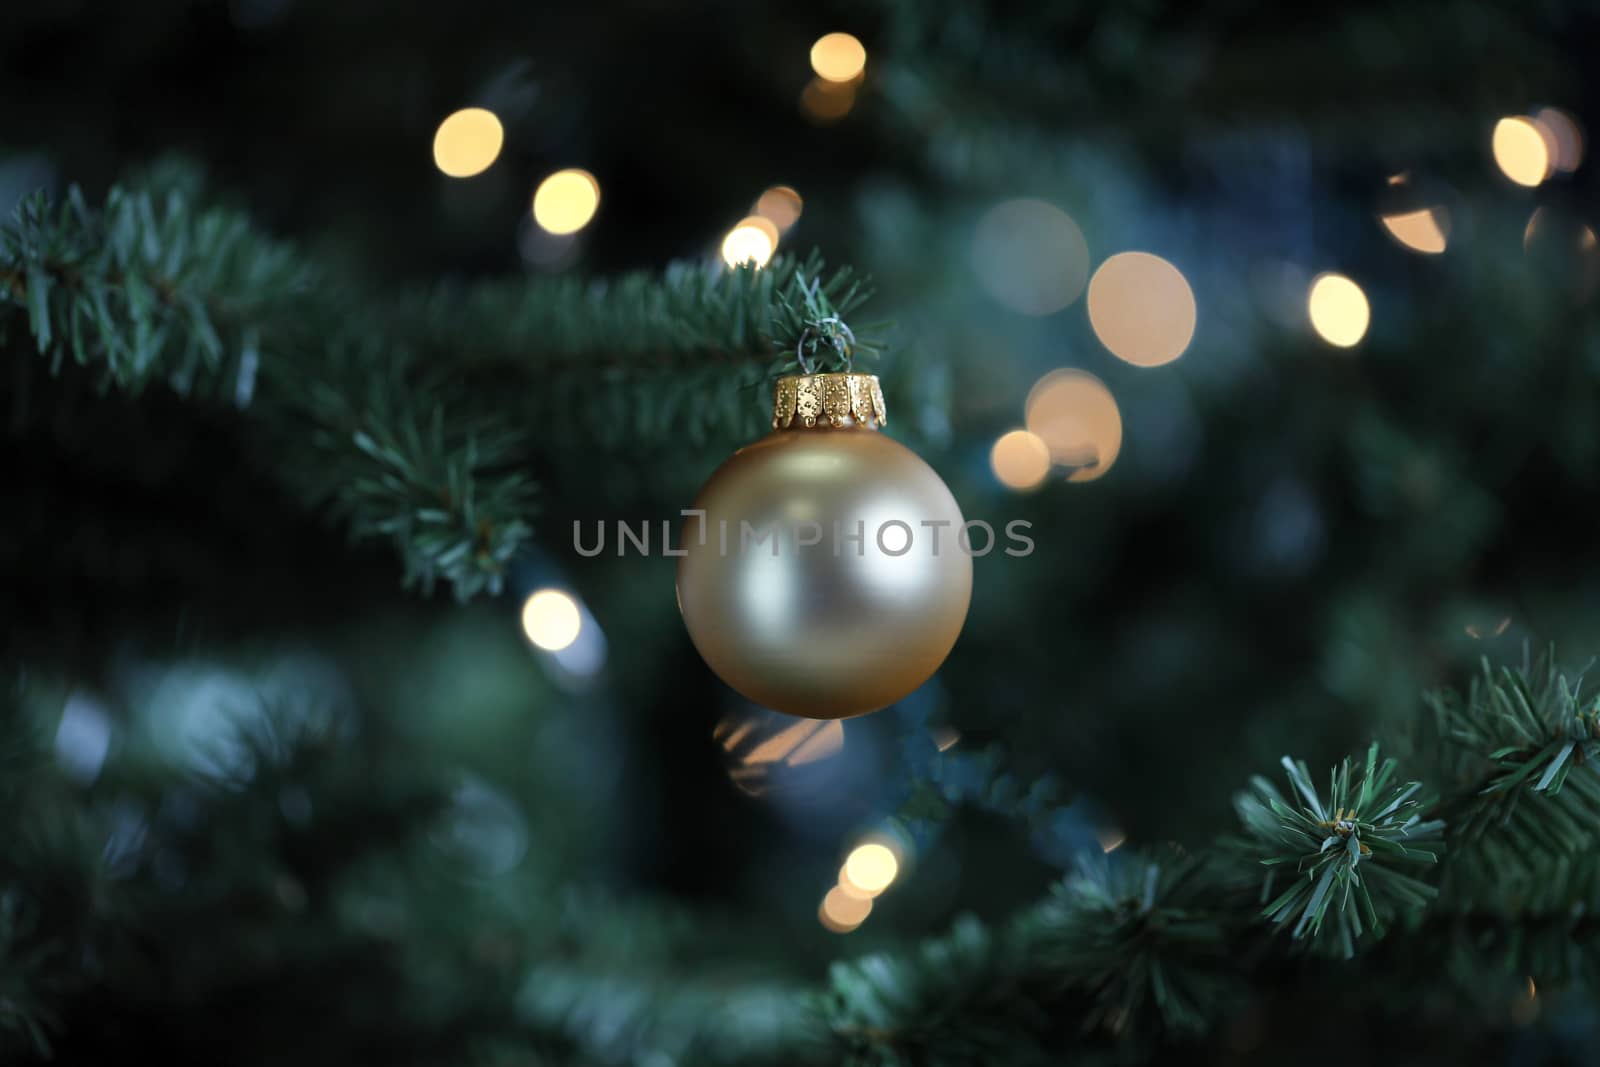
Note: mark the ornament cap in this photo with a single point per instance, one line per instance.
(828, 400)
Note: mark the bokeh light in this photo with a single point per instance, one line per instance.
(551, 619)
(870, 869)
(1020, 460)
(753, 240)
(1338, 309)
(838, 57)
(782, 205)
(1520, 150)
(1030, 256)
(840, 912)
(467, 142)
(760, 745)
(1563, 138)
(823, 101)
(1077, 418)
(566, 201)
(1141, 308)
(1425, 230)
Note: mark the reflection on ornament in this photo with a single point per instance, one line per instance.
(825, 579)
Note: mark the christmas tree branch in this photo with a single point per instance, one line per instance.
(379, 410)
(1143, 945)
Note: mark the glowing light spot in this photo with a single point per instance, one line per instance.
(1339, 310)
(945, 737)
(1077, 418)
(1424, 230)
(782, 205)
(751, 241)
(467, 142)
(838, 57)
(869, 869)
(1563, 138)
(1520, 150)
(1112, 839)
(823, 101)
(1030, 256)
(1020, 460)
(840, 912)
(1141, 308)
(566, 201)
(551, 619)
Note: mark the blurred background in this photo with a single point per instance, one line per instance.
(1276, 322)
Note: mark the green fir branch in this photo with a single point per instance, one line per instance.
(1343, 855)
(411, 419)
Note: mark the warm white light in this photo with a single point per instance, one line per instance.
(551, 619)
(751, 241)
(782, 205)
(869, 869)
(838, 57)
(1423, 230)
(1030, 256)
(467, 142)
(840, 912)
(1021, 460)
(566, 201)
(1521, 151)
(1077, 418)
(1141, 308)
(1339, 310)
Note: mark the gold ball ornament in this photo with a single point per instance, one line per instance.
(828, 575)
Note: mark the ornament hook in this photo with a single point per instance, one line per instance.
(832, 331)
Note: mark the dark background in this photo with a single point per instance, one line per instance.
(1294, 544)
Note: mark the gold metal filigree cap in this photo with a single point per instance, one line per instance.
(827, 400)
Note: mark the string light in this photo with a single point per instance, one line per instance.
(869, 869)
(838, 57)
(1520, 150)
(467, 142)
(753, 240)
(1021, 460)
(1077, 418)
(782, 205)
(1030, 256)
(1339, 310)
(1423, 230)
(1111, 839)
(551, 619)
(1141, 308)
(841, 913)
(566, 201)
